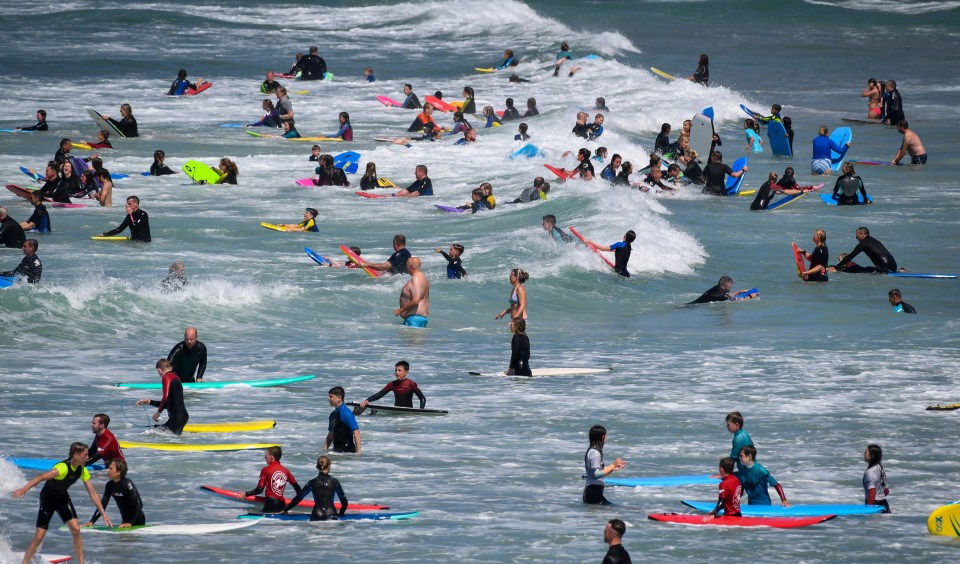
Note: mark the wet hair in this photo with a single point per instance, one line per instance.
(551, 218)
(875, 454)
(521, 275)
(102, 174)
(104, 418)
(105, 133)
(734, 416)
(630, 236)
(476, 193)
(371, 169)
(596, 435)
(164, 364)
(847, 168)
(438, 95)
(403, 364)
(716, 157)
(726, 463)
(750, 451)
(618, 526)
(545, 188)
(626, 166)
(76, 448)
(522, 127)
(673, 167)
(133, 199)
(823, 130)
(895, 292)
(120, 465)
(229, 165)
(821, 235)
(538, 181)
(772, 177)
(531, 102)
(519, 326)
(509, 102)
(894, 84)
(43, 113)
(268, 105)
(282, 90)
(275, 451)
(787, 123)
(564, 46)
(323, 464)
(776, 108)
(422, 168)
(408, 85)
(601, 152)
(181, 74)
(584, 153)
(64, 141)
(127, 108)
(337, 391)
(457, 247)
(788, 171)
(486, 186)
(345, 116)
(752, 125)
(356, 250)
(96, 163)
(312, 212)
(665, 128)
(704, 59)
(313, 50)
(903, 123)
(399, 239)
(863, 230)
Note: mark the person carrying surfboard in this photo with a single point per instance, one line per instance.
(403, 389)
(621, 251)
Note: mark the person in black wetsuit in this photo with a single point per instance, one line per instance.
(343, 433)
(511, 113)
(719, 293)
(412, 102)
(455, 269)
(883, 261)
(158, 168)
(312, 66)
(41, 124)
(702, 74)
(397, 263)
(581, 129)
(893, 104)
(127, 124)
(693, 172)
(787, 180)
(136, 219)
(189, 357)
(851, 267)
(172, 401)
(819, 259)
(270, 84)
(662, 144)
(899, 306)
(124, 493)
(40, 219)
(519, 349)
(328, 174)
(767, 190)
(323, 488)
(621, 252)
(847, 186)
(584, 170)
(30, 266)
(716, 172)
(11, 233)
(63, 152)
(422, 186)
(403, 389)
(612, 534)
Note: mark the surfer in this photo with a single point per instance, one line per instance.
(469, 136)
(368, 74)
(894, 105)
(875, 488)
(414, 297)
(754, 478)
(662, 143)
(872, 94)
(767, 190)
(188, 357)
(41, 124)
(424, 120)
(460, 124)
(563, 55)
(102, 142)
(508, 60)
(284, 106)
(596, 128)
(492, 120)
(621, 250)
(538, 191)
(181, 84)
(55, 498)
(127, 126)
(11, 233)
(517, 303)
(228, 171)
(454, 264)
(896, 300)
(124, 493)
(346, 131)
(158, 168)
(403, 389)
(550, 226)
(822, 162)
(730, 492)
(595, 470)
(105, 445)
(623, 177)
(290, 130)
(397, 263)
(63, 152)
(411, 102)
(312, 66)
(369, 180)
(274, 477)
(585, 169)
(422, 186)
(741, 438)
(323, 488)
(881, 258)
(531, 108)
(846, 188)
(654, 179)
(40, 219)
(521, 133)
(702, 74)
(30, 266)
(715, 173)
(172, 399)
(774, 115)
(343, 433)
(309, 222)
(519, 349)
(752, 130)
(581, 129)
(270, 84)
(510, 113)
(851, 267)
(612, 535)
(911, 146)
(819, 259)
(609, 172)
(328, 174)
(270, 119)
(175, 280)
(601, 105)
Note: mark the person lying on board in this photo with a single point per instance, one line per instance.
(328, 174)
(609, 172)
(654, 179)
(509, 60)
(538, 191)
(846, 188)
(309, 222)
(181, 84)
(720, 293)
(41, 124)
(476, 202)
(270, 119)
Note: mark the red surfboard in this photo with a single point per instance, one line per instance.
(200, 88)
(596, 250)
(369, 195)
(358, 261)
(305, 503)
(440, 104)
(562, 174)
(25, 193)
(724, 521)
(798, 256)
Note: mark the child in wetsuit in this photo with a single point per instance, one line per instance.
(323, 488)
(158, 168)
(454, 265)
(522, 136)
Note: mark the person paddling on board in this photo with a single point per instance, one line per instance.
(414, 297)
(30, 266)
(538, 191)
(881, 258)
(274, 477)
(188, 357)
(899, 306)
(181, 84)
(136, 219)
(621, 250)
(730, 492)
(754, 479)
(105, 445)
(403, 389)
(550, 226)
(127, 124)
(309, 222)
(172, 400)
(411, 102)
(54, 498)
(595, 470)
(124, 493)
(343, 433)
(509, 60)
(158, 168)
(422, 186)
(41, 124)
(323, 487)
(911, 146)
(584, 170)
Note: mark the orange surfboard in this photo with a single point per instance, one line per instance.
(357, 260)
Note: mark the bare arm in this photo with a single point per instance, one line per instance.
(356, 439)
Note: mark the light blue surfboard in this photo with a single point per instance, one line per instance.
(43, 464)
(828, 199)
(345, 517)
(793, 511)
(527, 151)
(733, 184)
(840, 136)
(708, 111)
(917, 275)
(779, 142)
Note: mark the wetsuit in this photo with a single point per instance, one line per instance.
(345, 132)
(593, 491)
(54, 497)
(342, 424)
(29, 267)
(309, 225)
(274, 477)
(596, 130)
(157, 169)
(510, 114)
(904, 307)
(492, 120)
(622, 178)
(754, 481)
(413, 103)
(61, 156)
(454, 267)
(369, 182)
(694, 173)
(662, 144)
(269, 119)
(702, 75)
(174, 282)
(312, 67)
(403, 392)
(531, 112)
(584, 167)
(764, 195)
(127, 126)
(716, 175)
(560, 237)
(740, 439)
(616, 554)
(11, 234)
(608, 173)
(882, 260)
(819, 257)
(331, 176)
(139, 224)
(105, 145)
(269, 86)
(621, 252)
(460, 127)
(520, 355)
(788, 182)
(521, 137)
(104, 447)
(650, 181)
(845, 190)
(172, 401)
(284, 106)
(581, 130)
(398, 261)
(715, 294)
(508, 62)
(729, 498)
(423, 187)
(292, 133)
(323, 488)
(528, 195)
(39, 126)
(753, 139)
(40, 218)
(180, 86)
(188, 364)
(421, 122)
(895, 108)
(469, 106)
(128, 501)
(876, 479)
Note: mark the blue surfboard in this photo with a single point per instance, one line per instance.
(348, 161)
(30, 173)
(917, 275)
(708, 111)
(779, 142)
(793, 511)
(346, 517)
(232, 125)
(828, 198)
(6, 281)
(745, 294)
(733, 184)
(43, 464)
(318, 258)
(662, 481)
(785, 200)
(747, 110)
(840, 136)
(527, 151)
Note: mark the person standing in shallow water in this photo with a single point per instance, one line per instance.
(593, 464)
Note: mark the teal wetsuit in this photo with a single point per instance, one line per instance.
(754, 481)
(740, 439)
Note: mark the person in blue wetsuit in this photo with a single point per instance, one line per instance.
(881, 258)
(609, 172)
(368, 74)
(509, 60)
(550, 226)
(324, 486)
(822, 145)
(41, 124)
(181, 84)
(343, 433)
(741, 438)
(621, 250)
(40, 219)
(454, 264)
(847, 186)
(562, 55)
(899, 306)
(595, 470)
(346, 131)
(662, 144)
(754, 479)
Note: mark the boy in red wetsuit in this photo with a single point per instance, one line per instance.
(274, 477)
(730, 492)
(403, 389)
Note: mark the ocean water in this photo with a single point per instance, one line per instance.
(818, 370)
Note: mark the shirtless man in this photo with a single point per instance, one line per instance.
(911, 146)
(414, 297)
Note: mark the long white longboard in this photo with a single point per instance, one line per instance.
(552, 372)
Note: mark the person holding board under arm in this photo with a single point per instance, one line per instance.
(403, 389)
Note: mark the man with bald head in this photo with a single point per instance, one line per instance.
(189, 357)
(414, 297)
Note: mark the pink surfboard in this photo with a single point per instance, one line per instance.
(388, 102)
(305, 182)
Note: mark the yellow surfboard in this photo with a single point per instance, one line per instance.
(83, 146)
(663, 74)
(110, 238)
(945, 521)
(272, 227)
(488, 69)
(230, 427)
(174, 447)
(385, 182)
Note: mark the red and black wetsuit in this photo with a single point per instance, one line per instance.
(172, 401)
(403, 391)
(729, 499)
(104, 447)
(274, 477)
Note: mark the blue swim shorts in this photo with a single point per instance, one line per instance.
(415, 321)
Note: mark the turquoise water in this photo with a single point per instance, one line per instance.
(819, 371)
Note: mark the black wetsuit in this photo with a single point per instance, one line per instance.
(331, 177)
(907, 308)
(11, 234)
(128, 501)
(788, 182)
(584, 167)
(819, 257)
(127, 126)
(510, 114)
(157, 169)
(39, 126)
(369, 182)
(61, 156)
(622, 178)
(312, 67)
(895, 108)
(269, 86)
(520, 355)
(177, 415)
(616, 554)
(716, 174)
(854, 268)
(469, 106)
(845, 190)
(662, 144)
(582, 130)
(189, 364)
(398, 261)
(715, 294)
(173, 282)
(531, 112)
(403, 392)
(423, 187)
(702, 75)
(882, 260)
(413, 103)
(54, 497)
(764, 195)
(30, 267)
(454, 266)
(621, 253)
(694, 173)
(40, 218)
(323, 488)
(528, 195)
(139, 224)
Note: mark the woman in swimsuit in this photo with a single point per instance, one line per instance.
(518, 297)
(872, 94)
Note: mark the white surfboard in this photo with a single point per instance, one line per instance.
(551, 372)
(159, 529)
(701, 137)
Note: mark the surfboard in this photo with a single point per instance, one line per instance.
(874, 163)
(828, 199)
(200, 88)
(110, 238)
(388, 102)
(373, 409)
(346, 158)
(733, 184)
(275, 227)
(746, 192)
(800, 261)
(318, 258)
(53, 558)
(26, 192)
(6, 281)
(561, 174)
(553, 372)
(83, 146)
(944, 407)
(745, 294)
(527, 151)
(233, 125)
(779, 142)
(177, 447)
(789, 199)
(701, 136)
(659, 72)
(792, 511)
(862, 121)
(104, 124)
(346, 517)
(230, 427)
(918, 275)
(200, 173)
(304, 503)
(31, 173)
(189, 529)
(206, 385)
(449, 209)
(749, 112)
(42, 464)
(305, 182)
(358, 261)
(371, 195)
(840, 136)
(945, 521)
(775, 522)
(662, 481)
(485, 69)
(577, 234)
(385, 182)
(811, 187)
(439, 104)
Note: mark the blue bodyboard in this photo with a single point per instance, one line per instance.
(840, 136)
(733, 184)
(779, 142)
